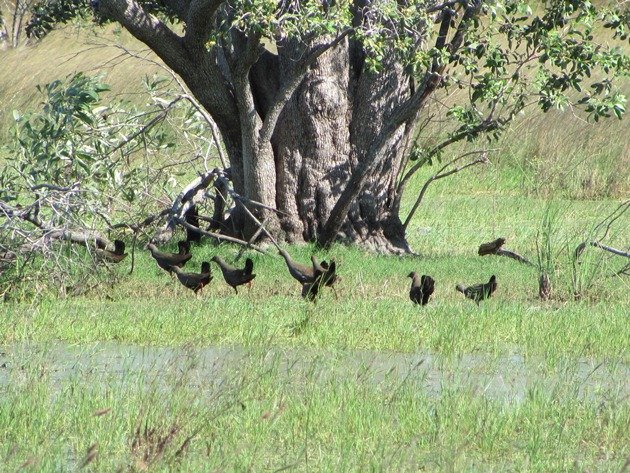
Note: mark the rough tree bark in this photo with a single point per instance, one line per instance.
(309, 130)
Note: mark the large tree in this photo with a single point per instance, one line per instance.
(317, 101)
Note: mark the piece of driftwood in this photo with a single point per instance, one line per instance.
(496, 248)
(491, 247)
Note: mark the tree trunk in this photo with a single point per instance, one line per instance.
(330, 166)
(325, 129)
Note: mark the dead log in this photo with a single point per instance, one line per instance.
(491, 247)
(496, 248)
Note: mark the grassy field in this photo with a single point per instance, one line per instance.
(259, 413)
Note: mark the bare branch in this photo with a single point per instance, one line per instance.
(606, 224)
(610, 249)
(193, 193)
(218, 236)
(136, 227)
(442, 173)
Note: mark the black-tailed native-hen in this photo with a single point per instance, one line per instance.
(328, 271)
(167, 261)
(479, 292)
(300, 272)
(194, 281)
(421, 288)
(235, 277)
(115, 256)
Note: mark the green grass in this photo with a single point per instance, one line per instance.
(260, 418)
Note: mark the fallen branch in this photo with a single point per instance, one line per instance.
(261, 228)
(136, 227)
(606, 224)
(582, 246)
(496, 248)
(192, 194)
(218, 236)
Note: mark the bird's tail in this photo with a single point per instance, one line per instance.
(461, 288)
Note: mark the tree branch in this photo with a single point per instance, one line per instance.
(605, 224)
(189, 196)
(146, 28)
(442, 173)
(218, 236)
(199, 18)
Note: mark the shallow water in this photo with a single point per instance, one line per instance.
(509, 379)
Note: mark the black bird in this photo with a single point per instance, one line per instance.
(192, 218)
(421, 288)
(166, 261)
(115, 256)
(194, 281)
(491, 247)
(300, 272)
(479, 292)
(328, 271)
(310, 290)
(235, 276)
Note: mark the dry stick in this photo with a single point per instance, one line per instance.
(623, 271)
(218, 236)
(261, 228)
(185, 199)
(251, 240)
(496, 248)
(140, 225)
(608, 221)
(610, 249)
(237, 196)
(441, 174)
(154, 121)
(258, 223)
(513, 255)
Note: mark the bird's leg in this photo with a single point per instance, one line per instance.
(235, 290)
(335, 292)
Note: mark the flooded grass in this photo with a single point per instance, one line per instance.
(184, 409)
